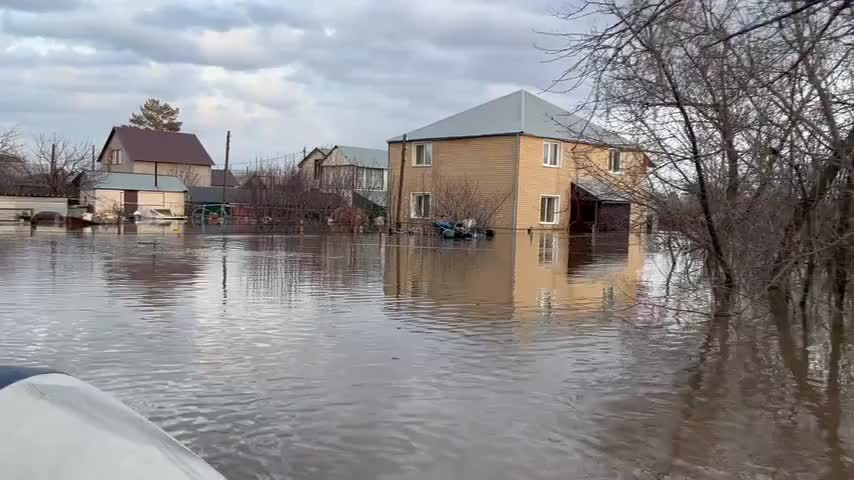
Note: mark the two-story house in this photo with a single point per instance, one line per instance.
(137, 150)
(359, 175)
(526, 156)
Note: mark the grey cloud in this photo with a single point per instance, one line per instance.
(160, 45)
(178, 16)
(221, 18)
(41, 5)
(378, 68)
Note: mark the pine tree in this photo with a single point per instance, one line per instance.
(155, 115)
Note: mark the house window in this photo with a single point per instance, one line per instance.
(371, 179)
(115, 157)
(551, 154)
(548, 248)
(420, 205)
(615, 161)
(423, 154)
(317, 167)
(549, 209)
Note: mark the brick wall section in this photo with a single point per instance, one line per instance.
(490, 162)
(535, 180)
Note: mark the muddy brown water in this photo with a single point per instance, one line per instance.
(327, 357)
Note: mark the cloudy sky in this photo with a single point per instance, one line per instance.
(281, 74)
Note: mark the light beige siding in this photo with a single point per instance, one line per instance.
(173, 201)
(106, 202)
(191, 175)
(536, 180)
(489, 163)
(307, 169)
(115, 144)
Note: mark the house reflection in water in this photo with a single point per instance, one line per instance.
(155, 271)
(585, 273)
(521, 275)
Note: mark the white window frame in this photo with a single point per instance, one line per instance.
(556, 210)
(547, 154)
(116, 156)
(548, 242)
(412, 204)
(428, 147)
(364, 173)
(611, 164)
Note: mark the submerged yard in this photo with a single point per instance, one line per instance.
(530, 356)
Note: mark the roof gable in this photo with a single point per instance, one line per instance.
(517, 113)
(143, 145)
(322, 153)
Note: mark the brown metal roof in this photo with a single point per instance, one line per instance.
(218, 178)
(142, 145)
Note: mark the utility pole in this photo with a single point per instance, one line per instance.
(53, 182)
(400, 183)
(93, 157)
(225, 174)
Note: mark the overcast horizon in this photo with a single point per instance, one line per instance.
(280, 77)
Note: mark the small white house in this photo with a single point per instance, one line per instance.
(125, 193)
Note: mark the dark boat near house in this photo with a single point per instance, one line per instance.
(465, 229)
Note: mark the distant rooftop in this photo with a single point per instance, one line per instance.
(517, 113)
(218, 178)
(365, 157)
(324, 151)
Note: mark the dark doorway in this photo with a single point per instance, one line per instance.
(595, 210)
(131, 202)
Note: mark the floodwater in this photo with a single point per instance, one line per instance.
(361, 357)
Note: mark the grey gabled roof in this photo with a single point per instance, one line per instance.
(365, 157)
(137, 181)
(377, 197)
(517, 113)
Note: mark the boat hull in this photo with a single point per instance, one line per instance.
(58, 427)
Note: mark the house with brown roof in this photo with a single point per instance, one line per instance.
(143, 151)
(525, 162)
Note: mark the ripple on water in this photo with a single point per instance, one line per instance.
(364, 357)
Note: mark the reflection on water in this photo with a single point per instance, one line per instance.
(530, 356)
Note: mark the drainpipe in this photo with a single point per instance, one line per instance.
(155, 174)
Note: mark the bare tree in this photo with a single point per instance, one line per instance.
(56, 163)
(187, 175)
(11, 160)
(746, 109)
(279, 196)
(463, 198)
